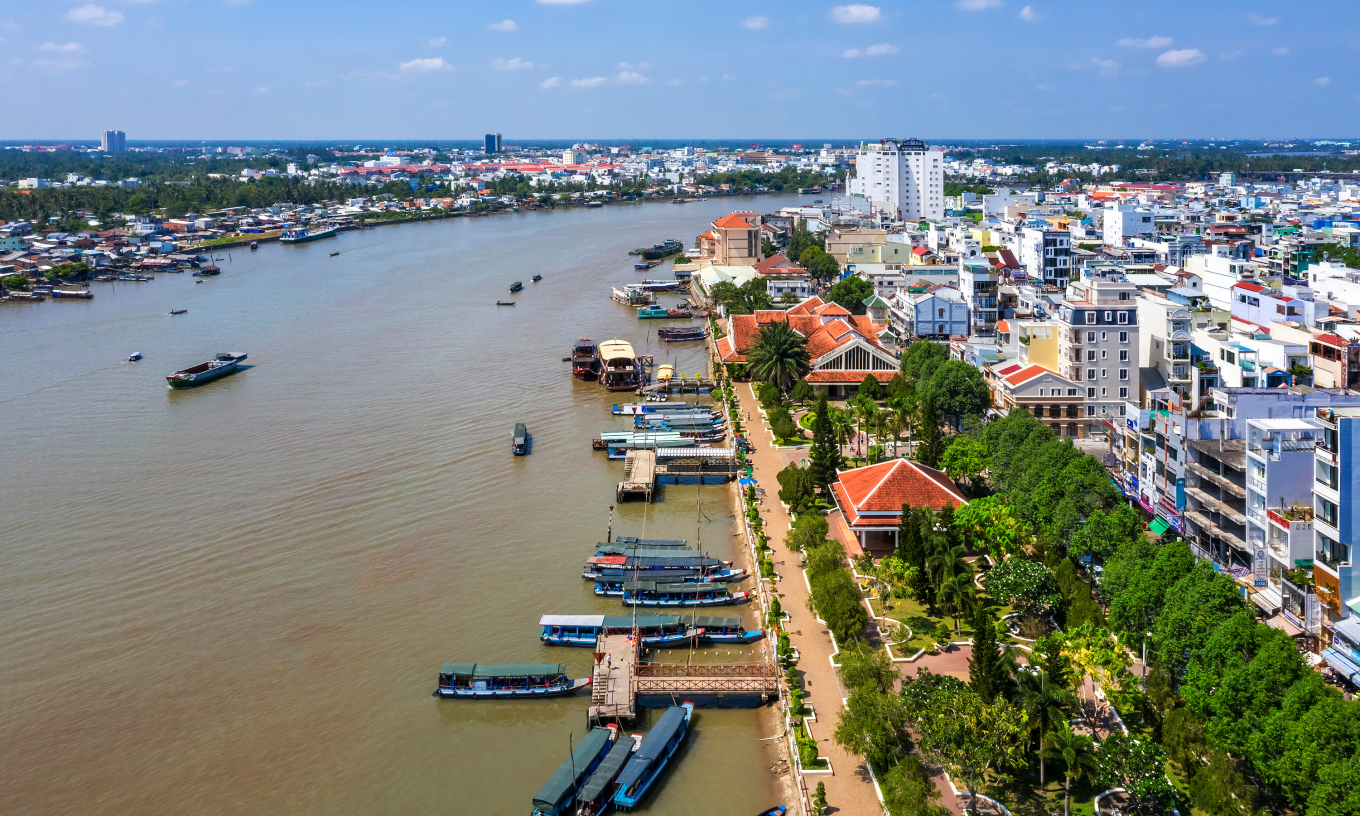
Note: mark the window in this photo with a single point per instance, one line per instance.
(1041, 392)
(1091, 355)
(1123, 355)
(1090, 393)
(1090, 373)
(1123, 295)
(1123, 317)
(1123, 373)
(1090, 337)
(1104, 373)
(1091, 409)
(1104, 354)
(1104, 336)
(1123, 394)
(1109, 316)
(1123, 337)
(1090, 317)
(1073, 392)
(1104, 391)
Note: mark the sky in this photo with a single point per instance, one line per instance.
(678, 69)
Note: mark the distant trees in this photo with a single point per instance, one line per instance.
(748, 298)
(851, 293)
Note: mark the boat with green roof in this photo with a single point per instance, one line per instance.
(492, 681)
(558, 795)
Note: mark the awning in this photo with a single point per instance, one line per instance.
(1282, 623)
(1341, 663)
(1159, 526)
(1268, 599)
(1348, 629)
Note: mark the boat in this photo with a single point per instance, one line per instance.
(646, 264)
(723, 630)
(650, 759)
(661, 250)
(680, 334)
(585, 630)
(618, 366)
(333, 254)
(656, 593)
(474, 680)
(301, 235)
(665, 372)
(585, 360)
(78, 294)
(516, 286)
(654, 564)
(623, 544)
(207, 271)
(632, 296)
(178, 311)
(134, 356)
(505, 303)
(557, 797)
(678, 313)
(537, 278)
(254, 245)
(598, 792)
(777, 810)
(636, 408)
(653, 313)
(220, 365)
(521, 439)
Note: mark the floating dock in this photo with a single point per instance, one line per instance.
(643, 470)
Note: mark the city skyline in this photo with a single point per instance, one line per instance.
(561, 69)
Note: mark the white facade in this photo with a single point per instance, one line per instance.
(1046, 255)
(904, 179)
(1125, 221)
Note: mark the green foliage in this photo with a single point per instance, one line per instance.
(1047, 706)
(870, 389)
(968, 735)
(988, 671)
(957, 390)
(819, 798)
(834, 592)
(779, 356)
(796, 488)
(1103, 533)
(921, 359)
(1195, 606)
(802, 392)
(989, 524)
(965, 458)
(942, 632)
(782, 424)
(799, 243)
(1077, 754)
(1136, 581)
(930, 438)
(807, 750)
(1028, 586)
(809, 530)
(1219, 789)
(851, 292)
(875, 721)
(14, 282)
(748, 298)
(913, 535)
(769, 395)
(1136, 765)
(824, 457)
(908, 790)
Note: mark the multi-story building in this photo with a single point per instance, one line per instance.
(937, 315)
(1164, 340)
(978, 283)
(1280, 465)
(113, 141)
(573, 156)
(1336, 515)
(1220, 272)
(1124, 221)
(1099, 343)
(1046, 255)
(903, 179)
(493, 143)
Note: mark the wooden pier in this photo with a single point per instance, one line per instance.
(680, 385)
(643, 470)
(639, 475)
(623, 683)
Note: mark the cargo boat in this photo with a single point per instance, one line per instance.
(585, 360)
(302, 235)
(662, 250)
(557, 797)
(473, 680)
(618, 366)
(681, 334)
(222, 364)
(650, 759)
(78, 294)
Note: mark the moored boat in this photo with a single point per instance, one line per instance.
(558, 795)
(598, 792)
(654, 313)
(521, 439)
(585, 630)
(618, 366)
(516, 286)
(653, 564)
(302, 235)
(656, 593)
(134, 356)
(665, 372)
(723, 630)
(680, 334)
(477, 681)
(220, 365)
(662, 250)
(650, 759)
(76, 294)
(585, 360)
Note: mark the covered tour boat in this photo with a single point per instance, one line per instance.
(521, 439)
(654, 593)
(558, 795)
(650, 759)
(585, 630)
(619, 370)
(723, 630)
(513, 680)
(598, 792)
(585, 360)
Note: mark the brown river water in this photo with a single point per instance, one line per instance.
(235, 599)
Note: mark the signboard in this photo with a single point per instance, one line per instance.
(1133, 483)
(1180, 494)
(1312, 614)
(1131, 423)
(1261, 568)
(1175, 523)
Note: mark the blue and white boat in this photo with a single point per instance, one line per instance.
(598, 793)
(650, 759)
(585, 630)
(723, 630)
(653, 593)
(558, 795)
(601, 566)
(621, 543)
(485, 682)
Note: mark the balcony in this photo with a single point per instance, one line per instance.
(1179, 354)
(1272, 448)
(1333, 561)
(1179, 374)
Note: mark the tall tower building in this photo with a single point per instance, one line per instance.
(493, 143)
(113, 141)
(903, 178)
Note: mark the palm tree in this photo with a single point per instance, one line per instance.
(1077, 752)
(959, 594)
(1046, 705)
(843, 423)
(778, 356)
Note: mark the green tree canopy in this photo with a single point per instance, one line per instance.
(958, 391)
(851, 292)
(778, 355)
(1026, 585)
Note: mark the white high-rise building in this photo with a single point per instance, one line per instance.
(903, 178)
(113, 141)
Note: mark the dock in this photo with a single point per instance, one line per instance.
(623, 683)
(680, 385)
(644, 469)
(639, 475)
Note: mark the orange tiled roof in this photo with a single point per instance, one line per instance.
(806, 307)
(883, 488)
(733, 221)
(831, 310)
(830, 377)
(1026, 373)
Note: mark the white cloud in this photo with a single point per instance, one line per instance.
(1231, 56)
(427, 64)
(675, 83)
(1028, 13)
(550, 82)
(1256, 19)
(588, 82)
(1180, 58)
(60, 48)
(1280, 52)
(641, 66)
(436, 42)
(756, 22)
(851, 53)
(261, 91)
(856, 13)
(1043, 86)
(1150, 42)
(1322, 82)
(55, 65)
(882, 49)
(937, 96)
(1105, 68)
(873, 83)
(977, 5)
(512, 64)
(631, 78)
(504, 25)
(90, 14)
(728, 77)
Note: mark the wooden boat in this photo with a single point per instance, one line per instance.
(723, 630)
(333, 254)
(650, 759)
(777, 810)
(680, 334)
(585, 630)
(222, 364)
(476, 681)
(622, 545)
(598, 792)
(557, 797)
(537, 278)
(653, 564)
(134, 356)
(585, 360)
(77, 294)
(636, 408)
(505, 303)
(516, 286)
(178, 311)
(521, 439)
(665, 372)
(655, 593)
(619, 367)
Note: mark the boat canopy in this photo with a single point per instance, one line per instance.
(656, 586)
(563, 782)
(643, 621)
(571, 620)
(607, 771)
(717, 623)
(653, 746)
(617, 621)
(503, 670)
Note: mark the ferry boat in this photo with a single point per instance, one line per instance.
(134, 356)
(662, 250)
(220, 365)
(558, 795)
(650, 759)
(680, 334)
(654, 313)
(630, 296)
(598, 792)
(473, 680)
(516, 286)
(724, 630)
(301, 235)
(655, 593)
(79, 294)
(585, 360)
(619, 367)
(585, 630)
(521, 439)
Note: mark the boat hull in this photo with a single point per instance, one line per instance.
(725, 600)
(495, 694)
(205, 378)
(309, 237)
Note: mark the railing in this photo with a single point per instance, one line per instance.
(1326, 557)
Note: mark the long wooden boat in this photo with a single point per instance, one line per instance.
(614, 586)
(681, 334)
(520, 444)
(477, 681)
(654, 593)
(602, 566)
(598, 793)
(558, 795)
(650, 759)
(638, 408)
(585, 630)
(222, 364)
(723, 630)
(634, 541)
(585, 360)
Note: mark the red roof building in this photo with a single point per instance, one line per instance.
(870, 498)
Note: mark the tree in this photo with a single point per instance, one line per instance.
(990, 524)
(874, 722)
(1137, 766)
(1195, 606)
(802, 393)
(797, 487)
(964, 733)
(1026, 585)
(958, 390)
(966, 458)
(1092, 651)
(851, 292)
(1078, 756)
(988, 674)
(908, 790)
(921, 359)
(824, 457)
(1219, 789)
(809, 530)
(1046, 705)
(1103, 533)
(778, 355)
(911, 548)
(870, 389)
(930, 446)
(899, 388)
(782, 424)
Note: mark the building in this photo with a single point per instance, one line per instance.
(1098, 343)
(493, 143)
(735, 240)
(1046, 255)
(784, 278)
(903, 179)
(113, 141)
(936, 315)
(978, 282)
(870, 499)
(571, 156)
(1164, 341)
(1336, 516)
(1125, 221)
(1050, 397)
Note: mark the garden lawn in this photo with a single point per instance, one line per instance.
(1026, 798)
(913, 614)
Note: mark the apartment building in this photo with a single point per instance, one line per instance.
(1164, 327)
(937, 315)
(903, 179)
(1124, 221)
(1099, 343)
(978, 282)
(1046, 255)
(1336, 516)
(1220, 272)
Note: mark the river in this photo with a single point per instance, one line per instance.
(235, 599)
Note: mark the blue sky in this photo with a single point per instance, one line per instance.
(636, 69)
